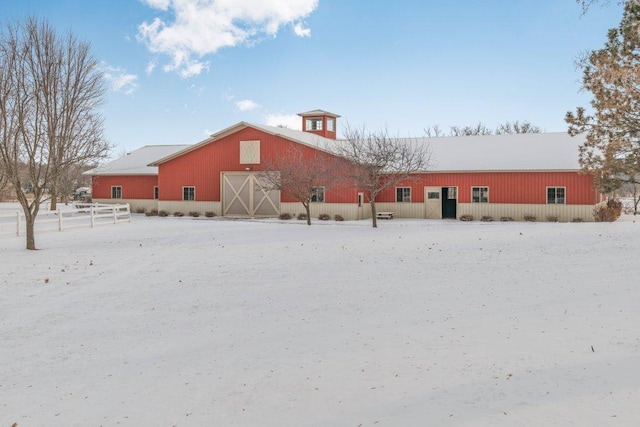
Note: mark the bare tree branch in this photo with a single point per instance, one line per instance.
(50, 88)
(381, 161)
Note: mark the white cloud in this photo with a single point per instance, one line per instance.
(119, 79)
(291, 121)
(246, 105)
(202, 27)
(301, 31)
(150, 67)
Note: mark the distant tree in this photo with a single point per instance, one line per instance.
(478, 129)
(514, 127)
(434, 131)
(50, 89)
(381, 161)
(302, 176)
(611, 151)
(517, 127)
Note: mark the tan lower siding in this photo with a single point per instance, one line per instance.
(402, 210)
(186, 207)
(348, 211)
(564, 213)
(134, 204)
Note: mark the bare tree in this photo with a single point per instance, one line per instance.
(50, 88)
(434, 131)
(514, 127)
(301, 173)
(479, 129)
(381, 162)
(517, 127)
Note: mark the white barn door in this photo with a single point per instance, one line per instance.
(243, 195)
(433, 202)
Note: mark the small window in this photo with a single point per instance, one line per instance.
(314, 123)
(403, 194)
(116, 192)
(317, 195)
(479, 194)
(452, 194)
(188, 193)
(155, 192)
(433, 195)
(556, 195)
(331, 125)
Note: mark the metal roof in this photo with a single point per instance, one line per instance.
(135, 163)
(555, 151)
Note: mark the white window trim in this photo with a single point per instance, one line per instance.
(245, 147)
(546, 195)
(311, 120)
(156, 192)
(480, 195)
(403, 201)
(194, 193)
(331, 124)
(323, 194)
(114, 187)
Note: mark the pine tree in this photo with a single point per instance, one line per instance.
(612, 74)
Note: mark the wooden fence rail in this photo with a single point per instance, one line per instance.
(81, 215)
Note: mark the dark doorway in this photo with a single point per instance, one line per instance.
(449, 202)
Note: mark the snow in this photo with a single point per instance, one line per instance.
(192, 322)
(135, 163)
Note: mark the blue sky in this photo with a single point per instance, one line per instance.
(182, 69)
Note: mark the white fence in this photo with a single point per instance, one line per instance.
(81, 215)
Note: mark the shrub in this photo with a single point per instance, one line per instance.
(486, 218)
(506, 219)
(607, 211)
(338, 217)
(152, 212)
(530, 218)
(209, 214)
(285, 215)
(466, 217)
(178, 214)
(552, 218)
(163, 213)
(324, 217)
(194, 214)
(140, 210)
(302, 216)
(577, 220)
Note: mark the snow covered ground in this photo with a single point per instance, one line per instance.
(213, 322)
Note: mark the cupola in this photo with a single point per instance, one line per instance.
(320, 122)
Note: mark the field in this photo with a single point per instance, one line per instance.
(214, 322)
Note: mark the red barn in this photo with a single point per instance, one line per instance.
(513, 176)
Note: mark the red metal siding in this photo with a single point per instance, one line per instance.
(133, 186)
(203, 166)
(504, 187)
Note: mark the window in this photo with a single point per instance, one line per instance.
(403, 194)
(452, 194)
(331, 125)
(317, 195)
(116, 192)
(188, 193)
(314, 123)
(249, 152)
(433, 195)
(155, 192)
(556, 195)
(479, 194)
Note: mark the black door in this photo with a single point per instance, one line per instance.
(449, 204)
